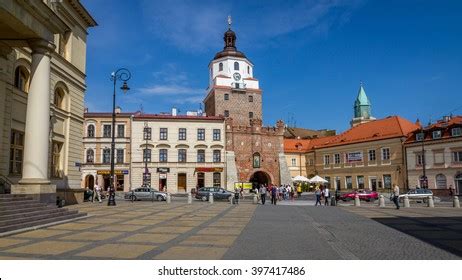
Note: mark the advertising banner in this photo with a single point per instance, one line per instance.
(354, 157)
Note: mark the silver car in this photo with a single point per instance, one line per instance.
(418, 194)
(146, 193)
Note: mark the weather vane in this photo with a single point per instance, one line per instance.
(229, 22)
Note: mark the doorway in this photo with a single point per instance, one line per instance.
(120, 182)
(458, 181)
(200, 180)
(373, 183)
(90, 182)
(181, 182)
(163, 182)
(337, 183)
(106, 182)
(259, 178)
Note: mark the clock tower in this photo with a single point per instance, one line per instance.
(233, 92)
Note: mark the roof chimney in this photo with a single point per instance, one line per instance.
(118, 110)
(174, 111)
(446, 118)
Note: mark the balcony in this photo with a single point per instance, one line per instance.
(238, 86)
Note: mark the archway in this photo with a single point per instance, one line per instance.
(90, 182)
(260, 177)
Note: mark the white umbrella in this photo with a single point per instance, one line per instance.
(318, 180)
(300, 178)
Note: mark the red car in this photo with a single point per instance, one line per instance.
(363, 195)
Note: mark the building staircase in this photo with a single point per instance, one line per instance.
(21, 212)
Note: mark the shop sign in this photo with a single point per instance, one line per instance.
(163, 176)
(354, 157)
(163, 169)
(208, 169)
(108, 172)
(244, 185)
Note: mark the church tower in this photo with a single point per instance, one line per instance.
(233, 92)
(362, 108)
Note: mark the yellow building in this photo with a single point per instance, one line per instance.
(42, 85)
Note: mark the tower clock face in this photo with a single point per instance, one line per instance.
(237, 76)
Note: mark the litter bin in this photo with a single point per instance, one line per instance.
(333, 201)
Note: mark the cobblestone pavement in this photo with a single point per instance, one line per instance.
(146, 230)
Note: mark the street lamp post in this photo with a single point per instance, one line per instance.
(146, 137)
(124, 75)
(424, 176)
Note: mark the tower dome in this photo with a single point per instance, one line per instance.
(230, 44)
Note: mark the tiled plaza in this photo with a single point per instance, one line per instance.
(141, 230)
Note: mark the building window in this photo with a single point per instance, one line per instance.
(16, 152)
(107, 130)
(200, 155)
(311, 162)
(58, 99)
(201, 134)
(250, 115)
(337, 158)
(182, 155)
(120, 156)
(226, 96)
(457, 157)
(56, 160)
(294, 162)
(106, 156)
(387, 181)
(216, 135)
(372, 155)
(182, 134)
(163, 155)
(226, 113)
(385, 154)
(236, 66)
(147, 133)
(419, 160)
(163, 133)
(91, 131)
(327, 178)
(441, 181)
(216, 156)
(256, 160)
(250, 98)
(348, 182)
(90, 156)
(456, 131)
(326, 160)
(217, 179)
(248, 69)
(436, 134)
(21, 77)
(120, 131)
(419, 136)
(360, 181)
(146, 155)
(220, 67)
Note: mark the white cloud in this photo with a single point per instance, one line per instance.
(171, 89)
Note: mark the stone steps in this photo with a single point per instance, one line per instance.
(20, 212)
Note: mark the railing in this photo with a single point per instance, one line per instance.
(5, 185)
(238, 86)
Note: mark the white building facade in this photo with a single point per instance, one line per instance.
(177, 153)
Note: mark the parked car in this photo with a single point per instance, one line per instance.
(418, 194)
(146, 193)
(362, 194)
(218, 193)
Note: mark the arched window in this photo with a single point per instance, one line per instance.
(248, 69)
(236, 65)
(441, 181)
(59, 98)
(91, 131)
(220, 67)
(256, 160)
(21, 78)
(90, 156)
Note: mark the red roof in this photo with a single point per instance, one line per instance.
(108, 114)
(390, 127)
(444, 125)
(177, 117)
(304, 145)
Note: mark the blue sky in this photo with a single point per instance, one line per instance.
(309, 56)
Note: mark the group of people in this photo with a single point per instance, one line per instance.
(283, 192)
(322, 193)
(96, 193)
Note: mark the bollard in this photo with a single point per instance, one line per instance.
(381, 201)
(230, 198)
(455, 202)
(169, 199)
(357, 202)
(189, 198)
(255, 199)
(431, 204)
(406, 202)
(211, 198)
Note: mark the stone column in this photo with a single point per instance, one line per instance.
(35, 180)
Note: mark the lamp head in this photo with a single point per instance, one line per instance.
(125, 87)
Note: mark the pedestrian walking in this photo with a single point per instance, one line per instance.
(98, 192)
(396, 195)
(274, 195)
(318, 196)
(326, 196)
(262, 192)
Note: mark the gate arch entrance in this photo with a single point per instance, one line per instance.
(90, 182)
(260, 177)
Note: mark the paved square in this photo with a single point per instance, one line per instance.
(41, 233)
(149, 238)
(91, 236)
(192, 253)
(117, 251)
(47, 248)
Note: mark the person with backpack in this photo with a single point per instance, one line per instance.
(326, 196)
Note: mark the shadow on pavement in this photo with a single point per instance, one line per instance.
(442, 232)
